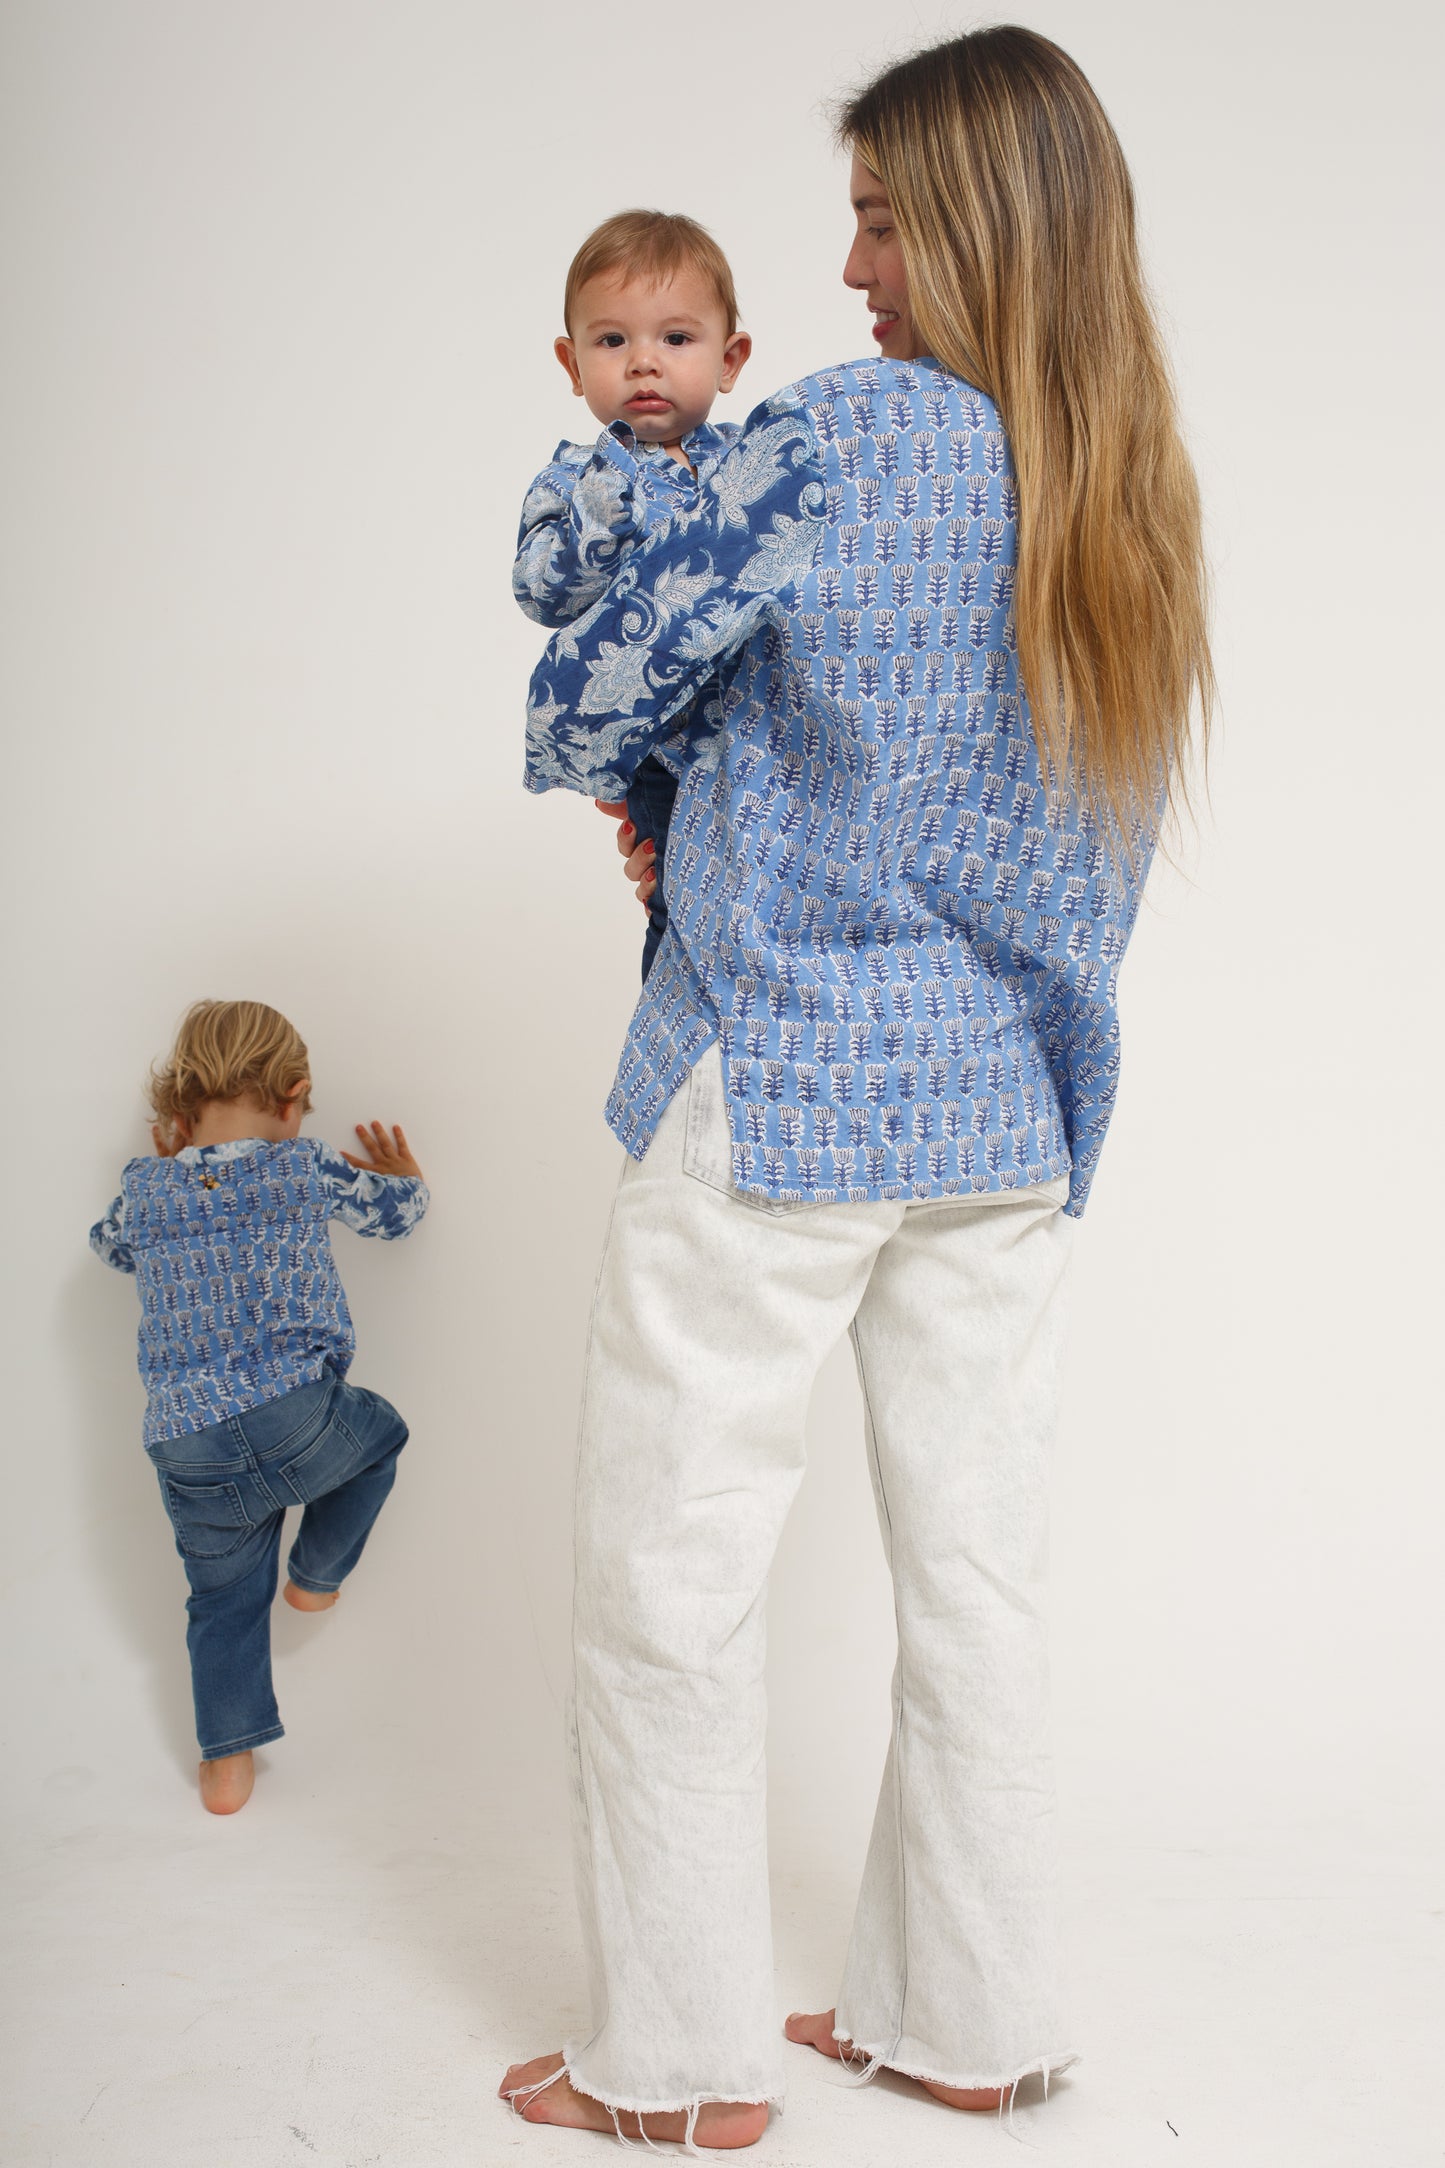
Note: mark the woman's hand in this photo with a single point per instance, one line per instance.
(639, 857)
(384, 1154)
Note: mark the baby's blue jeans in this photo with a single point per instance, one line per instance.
(650, 801)
(329, 1447)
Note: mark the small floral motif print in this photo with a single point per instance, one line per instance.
(241, 1301)
(866, 854)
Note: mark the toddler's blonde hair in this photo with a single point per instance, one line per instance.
(651, 245)
(229, 1050)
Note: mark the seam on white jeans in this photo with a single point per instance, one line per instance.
(575, 1741)
(871, 1434)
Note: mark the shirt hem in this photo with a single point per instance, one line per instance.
(165, 1433)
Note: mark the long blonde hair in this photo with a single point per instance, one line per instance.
(1015, 215)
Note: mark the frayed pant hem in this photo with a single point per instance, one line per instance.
(687, 2106)
(690, 2108)
(883, 2057)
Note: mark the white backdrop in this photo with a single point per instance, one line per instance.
(281, 284)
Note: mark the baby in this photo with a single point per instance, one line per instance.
(245, 1342)
(652, 338)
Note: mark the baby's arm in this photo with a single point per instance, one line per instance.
(384, 1194)
(108, 1241)
(703, 584)
(581, 519)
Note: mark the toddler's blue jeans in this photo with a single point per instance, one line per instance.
(329, 1447)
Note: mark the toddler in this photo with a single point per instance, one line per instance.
(652, 338)
(245, 1342)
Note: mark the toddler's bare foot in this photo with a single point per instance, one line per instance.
(309, 1599)
(721, 2124)
(226, 1783)
(817, 2032)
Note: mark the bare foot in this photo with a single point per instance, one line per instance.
(226, 1783)
(721, 2124)
(817, 2032)
(309, 1599)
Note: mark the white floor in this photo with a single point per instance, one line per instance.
(337, 1977)
(1254, 1901)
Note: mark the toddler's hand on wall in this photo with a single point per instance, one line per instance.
(384, 1154)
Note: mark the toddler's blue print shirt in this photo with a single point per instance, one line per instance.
(590, 507)
(904, 933)
(231, 1248)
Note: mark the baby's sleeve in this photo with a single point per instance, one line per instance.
(581, 519)
(107, 1239)
(704, 582)
(388, 1205)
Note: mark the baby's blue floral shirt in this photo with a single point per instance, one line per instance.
(905, 935)
(587, 511)
(231, 1248)
(590, 507)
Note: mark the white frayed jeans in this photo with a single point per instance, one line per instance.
(713, 1314)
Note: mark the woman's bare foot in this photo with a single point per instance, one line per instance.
(721, 2124)
(226, 1783)
(816, 2031)
(309, 1599)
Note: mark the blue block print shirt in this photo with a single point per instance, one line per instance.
(231, 1248)
(904, 934)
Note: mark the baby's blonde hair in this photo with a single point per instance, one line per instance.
(651, 245)
(229, 1050)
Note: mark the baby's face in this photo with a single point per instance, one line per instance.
(652, 356)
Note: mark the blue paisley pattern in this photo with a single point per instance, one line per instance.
(582, 517)
(590, 507)
(240, 1297)
(905, 935)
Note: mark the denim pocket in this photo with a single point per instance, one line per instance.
(327, 1461)
(209, 1519)
(707, 1149)
(275, 1428)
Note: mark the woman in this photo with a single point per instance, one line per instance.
(953, 601)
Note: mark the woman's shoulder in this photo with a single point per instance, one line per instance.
(858, 398)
